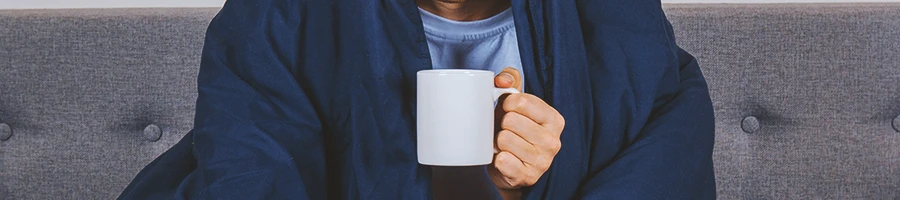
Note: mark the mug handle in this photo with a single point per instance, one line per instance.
(497, 93)
(501, 91)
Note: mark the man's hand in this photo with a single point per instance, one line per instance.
(528, 139)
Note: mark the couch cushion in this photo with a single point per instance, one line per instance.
(79, 88)
(804, 97)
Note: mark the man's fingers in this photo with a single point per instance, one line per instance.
(524, 127)
(534, 108)
(515, 173)
(513, 143)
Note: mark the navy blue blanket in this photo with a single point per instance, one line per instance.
(316, 100)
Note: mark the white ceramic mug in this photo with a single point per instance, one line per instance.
(455, 116)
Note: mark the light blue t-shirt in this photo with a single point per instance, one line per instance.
(488, 44)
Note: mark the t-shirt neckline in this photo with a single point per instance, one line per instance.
(444, 28)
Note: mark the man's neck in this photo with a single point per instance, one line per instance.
(464, 10)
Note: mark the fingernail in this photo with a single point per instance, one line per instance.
(509, 78)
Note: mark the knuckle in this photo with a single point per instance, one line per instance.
(558, 123)
(521, 101)
(530, 179)
(561, 120)
(545, 165)
(553, 144)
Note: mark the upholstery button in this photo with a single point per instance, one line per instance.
(5, 132)
(750, 124)
(896, 124)
(152, 133)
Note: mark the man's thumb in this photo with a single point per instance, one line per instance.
(508, 78)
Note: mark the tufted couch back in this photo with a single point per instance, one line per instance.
(91, 96)
(805, 96)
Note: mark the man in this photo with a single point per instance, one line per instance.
(316, 100)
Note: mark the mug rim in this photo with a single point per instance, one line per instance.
(455, 72)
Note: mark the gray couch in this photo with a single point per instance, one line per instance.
(807, 96)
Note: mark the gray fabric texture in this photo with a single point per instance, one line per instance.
(823, 82)
(78, 88)
(81, 91)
